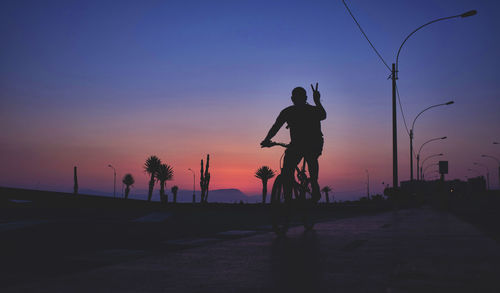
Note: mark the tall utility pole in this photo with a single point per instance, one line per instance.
(394, 130)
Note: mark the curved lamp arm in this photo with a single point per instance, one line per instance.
(436, 155)
(437, 138)
(482, 165)
(494, 158)
(442, 104)
(466, 14)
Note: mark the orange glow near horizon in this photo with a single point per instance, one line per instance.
(232, 162)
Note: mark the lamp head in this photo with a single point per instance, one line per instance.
(469, 13)
(110, 166)
(483, 156)
(444, 137)
(450, 102)
(440, 155)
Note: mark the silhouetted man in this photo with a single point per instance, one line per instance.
(304, 121)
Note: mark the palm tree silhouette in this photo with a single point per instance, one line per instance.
(326, 190)
(264, 173)
(128, 180)
(164, 173)
(174, 190)
(151, 167)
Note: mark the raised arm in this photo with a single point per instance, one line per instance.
(316, 96)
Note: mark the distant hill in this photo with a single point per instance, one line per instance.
(229, 195)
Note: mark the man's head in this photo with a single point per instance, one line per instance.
(299, 96)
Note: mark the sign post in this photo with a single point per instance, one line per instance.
(443, 169)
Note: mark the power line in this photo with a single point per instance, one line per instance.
(364, 34)
(382, 59)
(401, 108)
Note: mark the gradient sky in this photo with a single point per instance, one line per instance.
(89, 83)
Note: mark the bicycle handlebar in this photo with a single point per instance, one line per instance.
(273, 143)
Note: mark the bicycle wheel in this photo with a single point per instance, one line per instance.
(280, 208)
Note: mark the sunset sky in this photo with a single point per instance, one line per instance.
(92, 83)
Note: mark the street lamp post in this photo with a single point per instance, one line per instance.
(487, 173)
(498, 162)
(420, 149)
(412, 133)
(114, 180)
(423, 162)
(367, 184)
(194, 186)
(394, 77)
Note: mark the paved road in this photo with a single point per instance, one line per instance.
(419, 250)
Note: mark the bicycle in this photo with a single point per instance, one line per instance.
(300, 201)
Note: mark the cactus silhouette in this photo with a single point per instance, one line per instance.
(204, 180)
(163, 174)
(128, 180)
(174, 190)
(75, 180)
(151, 167)
(264, 173)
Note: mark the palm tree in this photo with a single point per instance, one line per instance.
(151, 167)
(128, 180)
(174, 190)
(264, 173)
(326, 190)
(164, 173)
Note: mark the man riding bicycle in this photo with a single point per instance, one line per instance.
(304, 121)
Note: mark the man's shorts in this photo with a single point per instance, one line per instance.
(312, 149)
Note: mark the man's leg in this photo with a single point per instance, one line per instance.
(292, 158)
(312, 163)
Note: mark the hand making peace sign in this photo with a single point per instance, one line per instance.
(316, 94)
